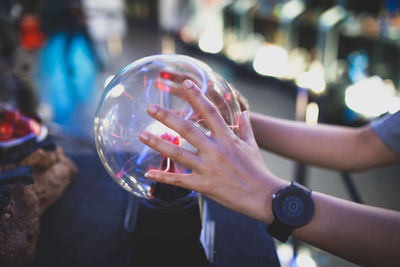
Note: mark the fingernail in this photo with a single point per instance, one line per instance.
(188, 84)
(152, 109)
(144, 136)
(149, 175)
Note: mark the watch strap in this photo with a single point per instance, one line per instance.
(279, 230)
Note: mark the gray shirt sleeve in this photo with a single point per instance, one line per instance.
(388, 130)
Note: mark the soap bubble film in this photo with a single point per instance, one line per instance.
(121, 117)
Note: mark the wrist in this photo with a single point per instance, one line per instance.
(292, 208)
(272, 186)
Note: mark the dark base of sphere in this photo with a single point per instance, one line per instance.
(169, 192)
(168, 237)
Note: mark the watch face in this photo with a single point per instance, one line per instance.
(293, 207)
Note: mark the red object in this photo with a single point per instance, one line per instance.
(171, 138)
(11, 115)
(6, 131)
(167, 75)
(162, 86)
(31, 37)
(14, 125)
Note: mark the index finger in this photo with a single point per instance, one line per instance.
(177, 77)
(212, 118)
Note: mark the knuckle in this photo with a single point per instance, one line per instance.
(237, 143)
(178, 181)
(162, 114)
(196, 93)
(153, 141)
(187, 129)
(176, 153)
(220, 155)
(209, 109)
(207, 187)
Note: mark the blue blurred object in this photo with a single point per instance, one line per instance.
(392, 6)
(66, 74)
(358, 64)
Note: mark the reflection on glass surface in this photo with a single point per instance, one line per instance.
(121, 117)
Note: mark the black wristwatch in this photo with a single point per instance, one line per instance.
(292, 207)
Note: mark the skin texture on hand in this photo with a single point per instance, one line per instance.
(230, 170)
(226, 168)
(222, 96)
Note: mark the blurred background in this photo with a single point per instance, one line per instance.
(327, 61)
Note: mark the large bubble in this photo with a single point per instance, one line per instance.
(121, 117)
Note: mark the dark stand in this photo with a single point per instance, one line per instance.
(86, 227)
(168, 236)
(166, 231)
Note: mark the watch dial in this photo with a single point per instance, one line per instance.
(293, 206)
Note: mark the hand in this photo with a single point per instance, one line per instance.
(172, 81)
(226, 168)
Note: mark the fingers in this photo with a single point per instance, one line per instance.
(174, 90)
(184, 180)
(177, 77)
(184, 127)
(170, 150)
(172, 82)
(209, 113)
(245, 129)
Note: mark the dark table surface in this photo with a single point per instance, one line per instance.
(85, 227)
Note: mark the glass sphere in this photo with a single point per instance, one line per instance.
(121, 117)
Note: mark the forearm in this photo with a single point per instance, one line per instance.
(362, 234)
(334, 147)
(229, 169)
(365, 235)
